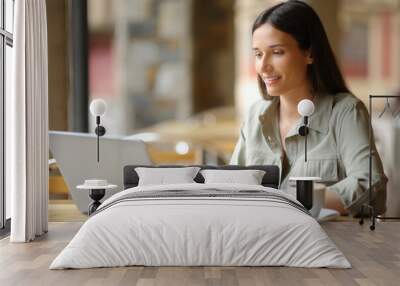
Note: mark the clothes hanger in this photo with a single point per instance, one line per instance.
(396, 114)
(387, 107)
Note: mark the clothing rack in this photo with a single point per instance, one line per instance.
(369, 206)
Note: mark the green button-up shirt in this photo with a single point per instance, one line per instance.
(337, 144)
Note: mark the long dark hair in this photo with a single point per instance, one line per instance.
(300, 21)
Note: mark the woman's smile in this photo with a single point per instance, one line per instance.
(280, 62)
(271, 80)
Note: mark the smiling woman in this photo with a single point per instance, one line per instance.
(280, 63)
(294, 61)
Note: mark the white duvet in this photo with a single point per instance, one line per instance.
(183, 231)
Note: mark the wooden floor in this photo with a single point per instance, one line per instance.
(65, 211)
(375, 257)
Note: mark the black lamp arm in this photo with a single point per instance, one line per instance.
(303, 131)
(305, 120)
(100, 131)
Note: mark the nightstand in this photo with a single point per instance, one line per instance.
(97, 190)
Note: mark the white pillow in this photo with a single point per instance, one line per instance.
(163, 176)
(248, 177)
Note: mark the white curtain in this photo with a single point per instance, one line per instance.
(27, 124)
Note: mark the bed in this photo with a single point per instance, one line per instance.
(201, 224)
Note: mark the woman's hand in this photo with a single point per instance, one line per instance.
(333, 201)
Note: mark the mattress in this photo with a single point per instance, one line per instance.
(201, 225)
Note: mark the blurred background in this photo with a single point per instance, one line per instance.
(179, 74)
(155, 61)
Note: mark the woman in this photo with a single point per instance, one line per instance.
(294, 61)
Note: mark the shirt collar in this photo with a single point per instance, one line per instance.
(269, 122)
(269, 114)
(319, 121)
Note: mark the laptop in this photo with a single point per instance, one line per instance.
(76, 157)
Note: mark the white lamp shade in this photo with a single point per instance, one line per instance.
(305, 107)
(98, 107)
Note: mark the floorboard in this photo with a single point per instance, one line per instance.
(375, 257)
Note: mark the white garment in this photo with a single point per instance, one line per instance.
(27, 123)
